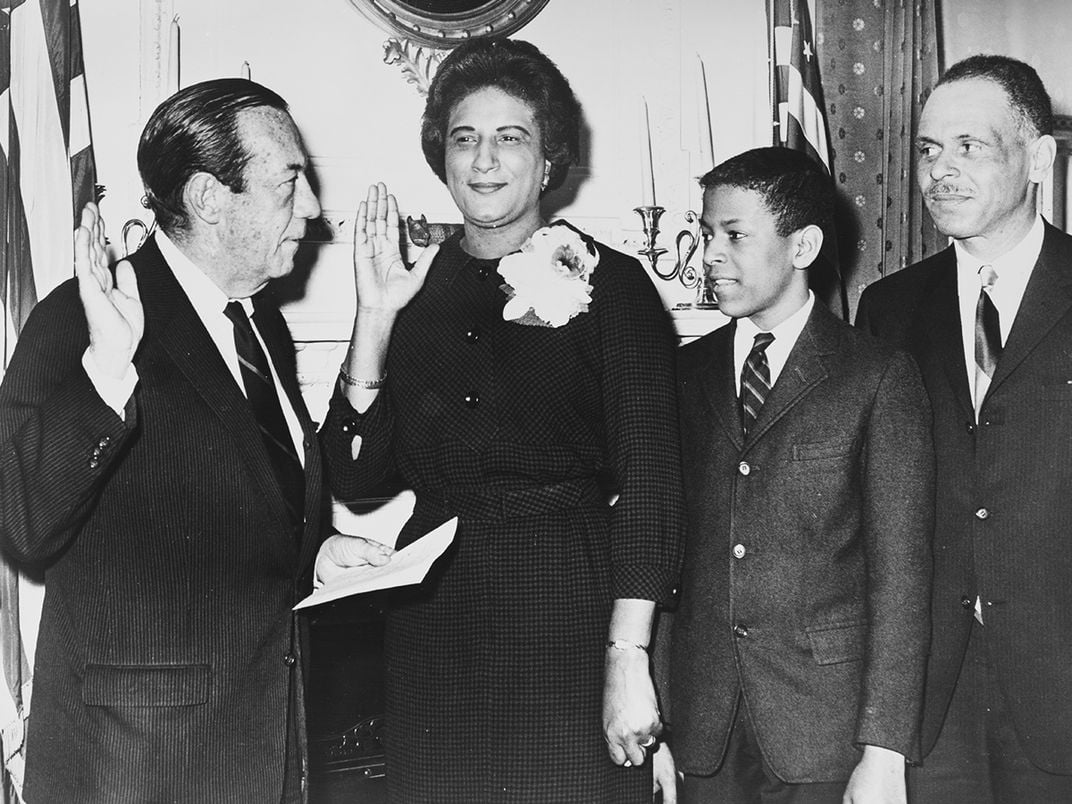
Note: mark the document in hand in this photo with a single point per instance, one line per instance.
(408, 566)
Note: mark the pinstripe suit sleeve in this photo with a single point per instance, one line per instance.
(57, 436)
(640, 415)
(898, 496)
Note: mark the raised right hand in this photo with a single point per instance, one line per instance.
(383, 281)
(113, 307)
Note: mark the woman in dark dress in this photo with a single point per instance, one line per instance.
(526, 383)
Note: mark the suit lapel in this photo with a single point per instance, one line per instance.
(940, 313)
(719, 384)
(1047, 299)
(181, 335)
(803, 370)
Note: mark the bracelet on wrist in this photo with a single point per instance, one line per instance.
(355, 382)
(625, 644)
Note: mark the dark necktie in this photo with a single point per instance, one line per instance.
(987, 335)
(263, 399)
(755, 380)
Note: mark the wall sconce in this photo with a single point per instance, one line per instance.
(684, 247)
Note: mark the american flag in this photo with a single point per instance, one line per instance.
(797, 90)
(47, 174)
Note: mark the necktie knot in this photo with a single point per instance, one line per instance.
(988, 277)
(762, 341)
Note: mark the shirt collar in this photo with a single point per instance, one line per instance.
(206, 298)
(786, 332)
(1015, 264)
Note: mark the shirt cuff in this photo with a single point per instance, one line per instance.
(114, 393)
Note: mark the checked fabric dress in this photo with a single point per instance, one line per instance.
(495, 664)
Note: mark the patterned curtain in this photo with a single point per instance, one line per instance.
(879, 62)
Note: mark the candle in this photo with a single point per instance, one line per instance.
(647, 163)
(703, 111)
(173, 78)
(246, 71)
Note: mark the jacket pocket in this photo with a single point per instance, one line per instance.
(834, 448)
(834, 644)
(145, 685)
(1057, 388)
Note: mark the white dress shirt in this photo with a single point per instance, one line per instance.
(1014, 270)
(785, 337)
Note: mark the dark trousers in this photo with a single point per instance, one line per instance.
(746, 778)
(978, 758)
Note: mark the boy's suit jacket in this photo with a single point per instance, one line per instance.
(1003, 527)
(807, 565)
(167, 642)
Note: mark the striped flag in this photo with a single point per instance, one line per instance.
(797, 92)
(47, 174)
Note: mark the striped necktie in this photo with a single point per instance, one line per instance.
(264, 400)
(755, 380)
(987, 335)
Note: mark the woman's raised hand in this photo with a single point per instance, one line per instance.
(383, 281)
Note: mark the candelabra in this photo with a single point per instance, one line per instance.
(684, 247)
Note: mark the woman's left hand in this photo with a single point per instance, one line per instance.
(630, 712)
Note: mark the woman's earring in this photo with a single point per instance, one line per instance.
(546, 175)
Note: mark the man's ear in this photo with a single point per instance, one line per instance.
(1043, 153)
(204, 197)
(807, 242)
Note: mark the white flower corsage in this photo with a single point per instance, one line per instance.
(547, 281)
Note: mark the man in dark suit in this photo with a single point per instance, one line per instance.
(989, 320)
(169, 477)
(800, 639)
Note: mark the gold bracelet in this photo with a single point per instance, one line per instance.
(625, 644)
(354, 382)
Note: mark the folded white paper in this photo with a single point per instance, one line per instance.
(408, 566)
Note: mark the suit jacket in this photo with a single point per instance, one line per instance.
(1004, 509)
(167, 642)
(807, 558)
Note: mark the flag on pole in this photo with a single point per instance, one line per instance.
(796, 88)
(47, 174)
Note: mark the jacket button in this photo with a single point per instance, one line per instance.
(967, 602)
(289, 660)
(472, 334)
(738, 551)
(970, 427)
(482, 272)
(982, 513)
(104, 442)
(740, 631)
(744, 468)
(472, 400)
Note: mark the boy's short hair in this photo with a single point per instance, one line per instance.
(794, 187)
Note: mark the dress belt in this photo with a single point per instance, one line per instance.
(495, 505)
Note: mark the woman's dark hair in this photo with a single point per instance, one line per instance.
(519, 69)
(195, 131)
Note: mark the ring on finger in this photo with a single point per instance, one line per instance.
(648, 743)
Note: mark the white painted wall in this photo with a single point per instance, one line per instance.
(360, 118)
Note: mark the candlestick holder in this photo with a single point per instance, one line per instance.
(684, 246)
(649, 216)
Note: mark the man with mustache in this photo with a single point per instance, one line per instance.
(989, 320)
(159, 462)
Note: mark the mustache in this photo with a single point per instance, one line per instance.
(946, 189)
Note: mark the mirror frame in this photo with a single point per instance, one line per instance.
(447, 30)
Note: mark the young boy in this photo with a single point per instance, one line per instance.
(800, 641)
